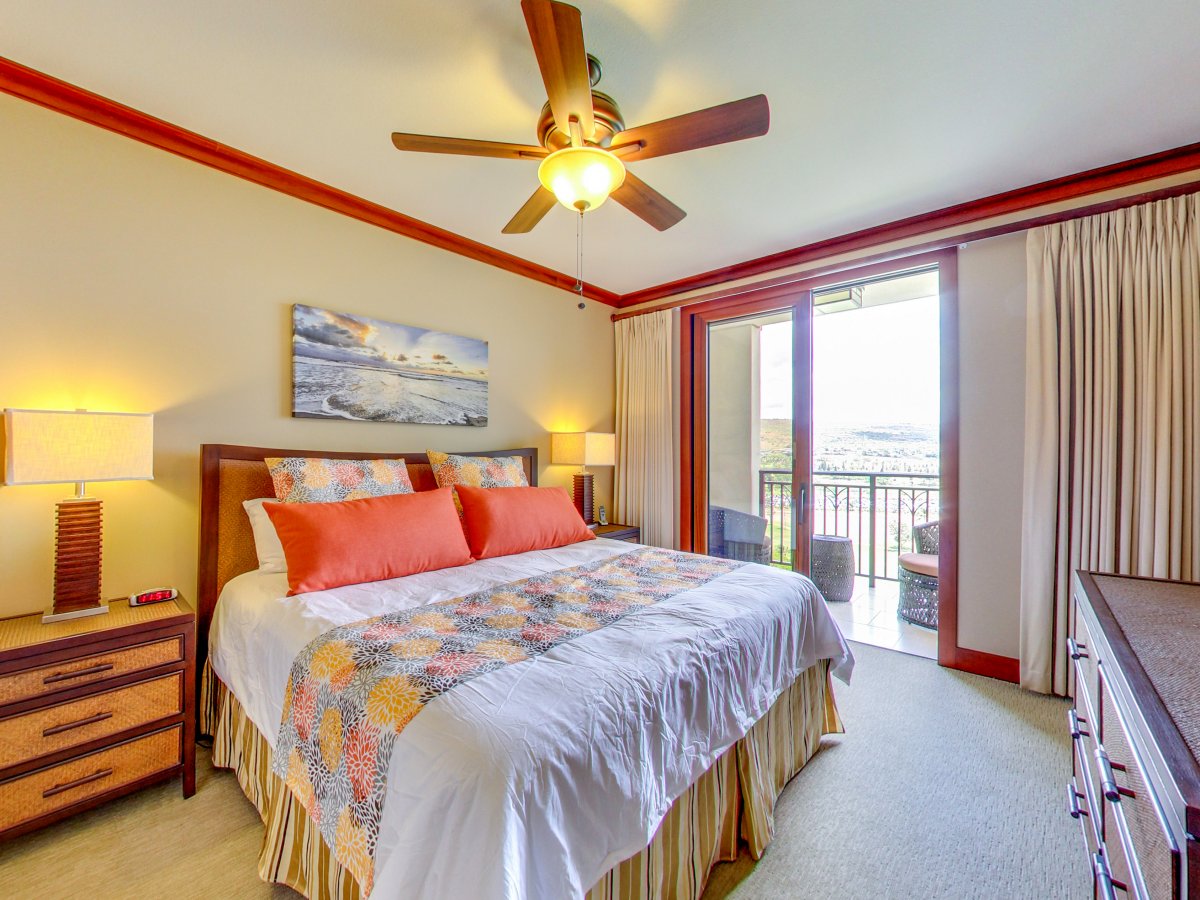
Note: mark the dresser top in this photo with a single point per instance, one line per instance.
(1161, 622)
(28, 631)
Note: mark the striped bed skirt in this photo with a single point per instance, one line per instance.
(731, 803)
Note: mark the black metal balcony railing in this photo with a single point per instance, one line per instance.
(876, 510)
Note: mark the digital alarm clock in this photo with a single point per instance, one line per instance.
(156, 595)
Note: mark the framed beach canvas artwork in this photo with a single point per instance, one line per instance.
(353, 367)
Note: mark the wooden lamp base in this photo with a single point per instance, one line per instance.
(583, 496)
(77, 525)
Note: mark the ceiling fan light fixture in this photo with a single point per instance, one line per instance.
(581, 177)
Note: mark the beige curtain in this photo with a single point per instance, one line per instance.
(644, 481)
(1113, 379)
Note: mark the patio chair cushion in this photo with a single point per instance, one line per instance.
(921, 563)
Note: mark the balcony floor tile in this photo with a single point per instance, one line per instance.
(876, 637)
(870, 618)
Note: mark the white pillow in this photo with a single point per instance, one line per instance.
(266, 540)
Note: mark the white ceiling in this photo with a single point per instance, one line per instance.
(879, 109)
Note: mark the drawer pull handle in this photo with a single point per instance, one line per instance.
(1108, 781)
(1076, 649)
(1073, 798)
(78, 673)
(90, 720)
(1076, 731)
(78, 782)
(1104, 882)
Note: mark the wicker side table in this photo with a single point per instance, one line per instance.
(919, 589)
(92, 709)
(833, 567)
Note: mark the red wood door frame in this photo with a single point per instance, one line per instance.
(802, 432)
(693, 421)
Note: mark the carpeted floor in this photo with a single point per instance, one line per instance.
(945, 786)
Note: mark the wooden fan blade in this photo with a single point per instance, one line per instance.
(531, 213)
(646, 203)
(556, 30)
(428, 143)
(734, 121)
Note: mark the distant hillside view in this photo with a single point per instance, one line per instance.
(856, 448)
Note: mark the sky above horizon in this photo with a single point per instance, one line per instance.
(873, 366)
(344, 337)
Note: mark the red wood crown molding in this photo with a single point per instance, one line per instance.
(44, 90)
(52, 93)
(1069, 187)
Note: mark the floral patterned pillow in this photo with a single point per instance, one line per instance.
(477, 471)
(298, 479)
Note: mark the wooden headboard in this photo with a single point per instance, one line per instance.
(230, 474)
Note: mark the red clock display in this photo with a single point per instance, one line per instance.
(157, 595)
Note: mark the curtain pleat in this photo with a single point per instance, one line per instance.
(644, 481)
(1112, 372)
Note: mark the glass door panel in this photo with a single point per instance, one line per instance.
(751, 442)
(876, 431)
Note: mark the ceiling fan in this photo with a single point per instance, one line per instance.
(584, 144)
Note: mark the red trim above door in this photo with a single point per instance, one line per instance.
(1058, 190)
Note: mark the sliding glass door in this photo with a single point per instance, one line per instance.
(752, 444)
(879, 526)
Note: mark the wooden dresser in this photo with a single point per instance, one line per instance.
(94, 708)
(1135, 731)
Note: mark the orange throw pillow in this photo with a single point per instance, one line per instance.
(500, 521)
(354, 541)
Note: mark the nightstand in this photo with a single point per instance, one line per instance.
(614, 532)
(94, 708)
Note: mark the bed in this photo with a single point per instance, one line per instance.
(624, 764)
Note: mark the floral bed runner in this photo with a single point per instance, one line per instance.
(354, 688)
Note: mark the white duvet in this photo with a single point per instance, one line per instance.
(533, 780)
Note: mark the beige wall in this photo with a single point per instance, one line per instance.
(134, 280)
(733, 416)
(991, 296)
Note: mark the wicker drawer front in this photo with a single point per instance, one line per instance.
(1134, 817)
(70, 724)
(47, 790)
(86, 669)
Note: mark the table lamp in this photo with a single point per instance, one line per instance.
(50, 447)
(585, 448)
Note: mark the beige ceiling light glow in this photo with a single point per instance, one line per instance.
(581, 178)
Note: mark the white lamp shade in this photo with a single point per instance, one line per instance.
(584, 448)
(51, 447)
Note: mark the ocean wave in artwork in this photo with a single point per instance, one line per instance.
(337, 390)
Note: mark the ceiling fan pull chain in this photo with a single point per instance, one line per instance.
(579, 258)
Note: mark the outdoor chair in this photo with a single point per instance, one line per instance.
(919, 578)
(733, 534)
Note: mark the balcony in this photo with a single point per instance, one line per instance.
(876, 510)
